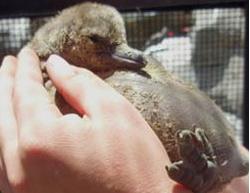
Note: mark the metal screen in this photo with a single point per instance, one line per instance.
(202, 46)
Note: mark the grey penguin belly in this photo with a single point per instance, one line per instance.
(171, 106)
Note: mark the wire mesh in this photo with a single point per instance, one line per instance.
(202, 46)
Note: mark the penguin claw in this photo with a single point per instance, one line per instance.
(197, 168)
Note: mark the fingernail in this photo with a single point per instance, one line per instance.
(59, 65)
(8, 59)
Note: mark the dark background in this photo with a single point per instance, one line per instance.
(15, 7)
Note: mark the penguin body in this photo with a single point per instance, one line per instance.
(193, 130)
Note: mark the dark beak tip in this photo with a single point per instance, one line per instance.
(142, 59)
(135, 61)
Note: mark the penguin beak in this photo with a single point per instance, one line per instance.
(126, 57)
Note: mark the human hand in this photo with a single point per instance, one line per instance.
(109, 148)
(44, 151)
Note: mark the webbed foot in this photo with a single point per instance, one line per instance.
(197, 168)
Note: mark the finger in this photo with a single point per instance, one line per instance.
(87, 93)
(8, 128)
(7, 117)
(32, 101)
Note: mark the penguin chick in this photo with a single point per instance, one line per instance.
(197, 137)
(88, 35)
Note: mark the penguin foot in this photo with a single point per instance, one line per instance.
(197, 168)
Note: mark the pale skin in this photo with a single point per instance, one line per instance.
(107, 148)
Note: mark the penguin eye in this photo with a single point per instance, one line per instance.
(95, 38)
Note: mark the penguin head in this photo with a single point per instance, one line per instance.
(89, 35)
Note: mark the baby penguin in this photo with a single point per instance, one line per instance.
(198, 139)
(91, 35)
